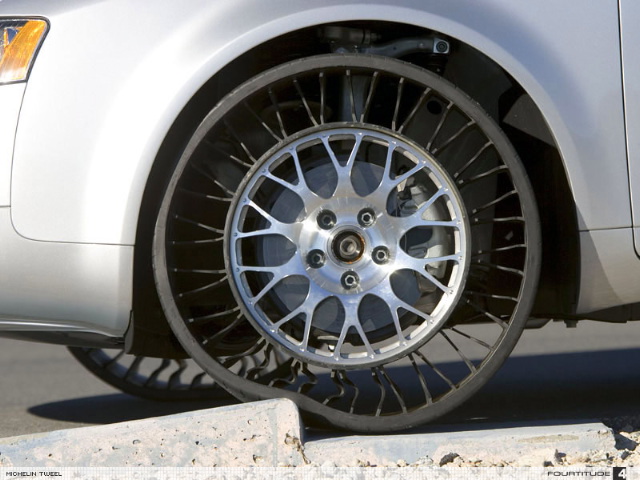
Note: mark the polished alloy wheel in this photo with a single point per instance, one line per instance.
(336, 257)
(351, 232)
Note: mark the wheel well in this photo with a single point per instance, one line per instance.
(481, 78)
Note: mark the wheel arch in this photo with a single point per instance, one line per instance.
(514, 93)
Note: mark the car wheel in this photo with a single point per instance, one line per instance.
(351, 232)
(147, 377)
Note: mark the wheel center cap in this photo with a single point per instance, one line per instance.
(348, 246)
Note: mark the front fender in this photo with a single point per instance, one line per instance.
(112, 77)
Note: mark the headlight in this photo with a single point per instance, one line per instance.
(19, 42)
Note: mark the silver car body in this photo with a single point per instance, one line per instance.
(79, 139)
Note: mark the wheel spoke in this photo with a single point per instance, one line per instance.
(409, 223)
(294, 188)
(290, 231)
(487, 314)
(352, 100)
(454, 258)
(254, 373)
(423, 382)
(262, 122)
(488, 221)
(233, 359)
(472, 338)
(205, 196)
(310, 383)
(201, 225)
(335, 378)
(294, 371)
(492, 295)
(351, 320)
(419, 265)
(394, 183)
(276, 106)
(388, 184)
(494, 202)
(464, 182)
(415, 109)
(473, 159)
(213, 340)
(242, 145)
(313, 298)
(375, 373)
(396, 323)
(396, 303)
(442, 191)
(230, 156)
(302, 182)
(396, 110)
(304, 102)
(292, 268)
(196, 243)
(356, 390)
(443, 118)
(467, 362)
(437, 371)
(203, 272)
(394, 389)
(323, 95)
(301, 310)
(344, 186)
(508, 248)
(204, 288)
(372, 88)
(214, 316)
(213, 180)
(450, 141)
(501, 268)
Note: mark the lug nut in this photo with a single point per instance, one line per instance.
(366, 217)
(316, 258)
(350, 280)
(380, 255)
(326, 219)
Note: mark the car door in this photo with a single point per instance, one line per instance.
(630, 39)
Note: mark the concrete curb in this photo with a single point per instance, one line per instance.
(524, 446)
(269, 434)
(254, 434)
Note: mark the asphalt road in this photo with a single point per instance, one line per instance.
(555, 375)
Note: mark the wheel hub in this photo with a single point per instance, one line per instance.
(348, 246)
